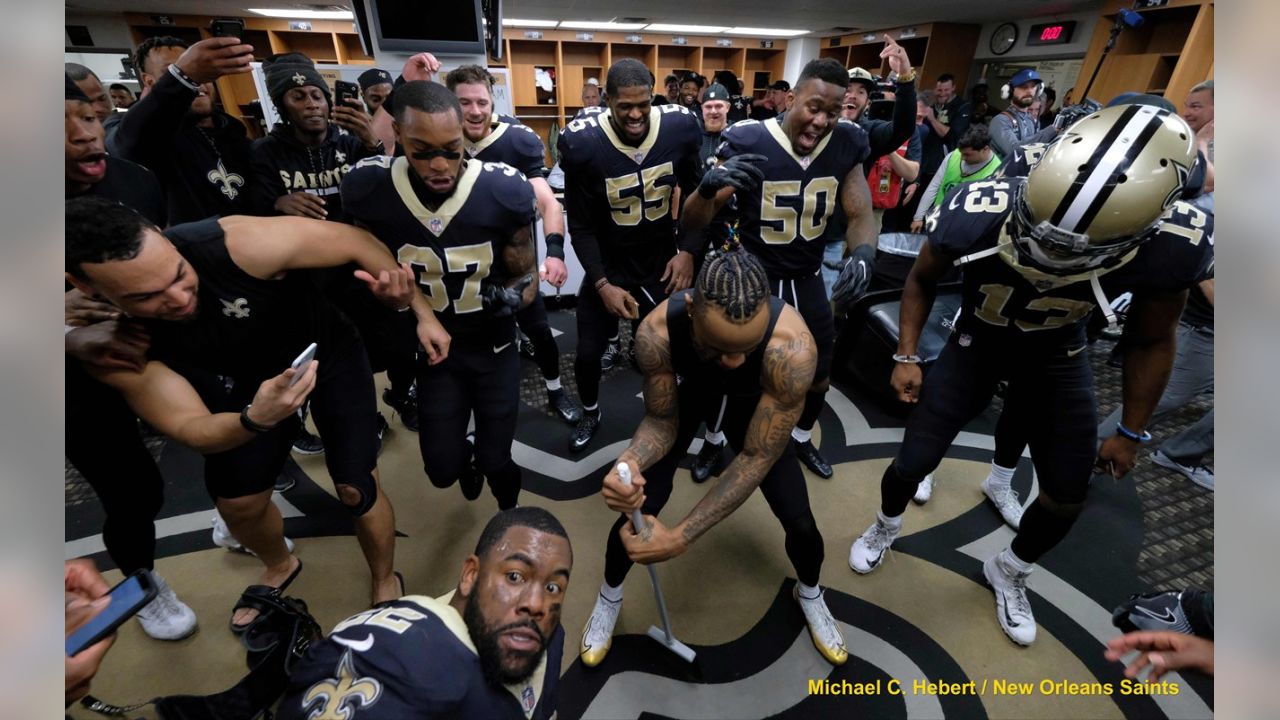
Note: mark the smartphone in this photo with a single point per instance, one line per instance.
(227, 27)
(127, 598)
(301, 362)
(344, 91)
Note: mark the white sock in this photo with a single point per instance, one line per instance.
(893, 523)
(801, 435)
(591, 408)
(554, 384)
(715, 438)
(808, 592)
(612, 594)
(1000, 476)
(1013, 562)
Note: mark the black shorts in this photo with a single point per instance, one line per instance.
(808, 296)
(472, 379)
(1050, 391)
(344, 407)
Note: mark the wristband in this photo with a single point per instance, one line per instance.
(908, 359)
(1126, 433)
(601, 283)
(183, 78)
(555, 245)
(908, 77)
(249, 424)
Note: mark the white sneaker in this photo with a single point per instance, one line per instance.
(869, 549)
(1013, 609)
(1006, 501)
(823, 629)
(166, 617)
(597, 636)
(1198, 474)
(924, 490)
(223, 538)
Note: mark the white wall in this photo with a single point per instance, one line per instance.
(106, 30)
(799, 52)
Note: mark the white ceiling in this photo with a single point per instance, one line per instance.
(818, 16)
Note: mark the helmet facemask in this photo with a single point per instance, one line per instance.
(1053, 250)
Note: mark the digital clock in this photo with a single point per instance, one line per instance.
(1058, 33)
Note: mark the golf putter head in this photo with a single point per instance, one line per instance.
(685, 652)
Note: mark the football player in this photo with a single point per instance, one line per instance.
(1099, 215)
(620, 169)
(464, 225)
(490, 648)
(730, 344)
(490, 137)
(810, 160)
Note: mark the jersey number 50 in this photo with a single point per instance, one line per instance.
(806, 223)
(456, 260)
(655, 203)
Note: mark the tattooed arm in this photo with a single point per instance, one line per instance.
(520, 256)
(787, 372)
(657, 431)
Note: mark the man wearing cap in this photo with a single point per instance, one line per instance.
(690, 86)
(1017, 125)
(774, 102)
(375, 87)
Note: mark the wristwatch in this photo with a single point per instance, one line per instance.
(250, 425)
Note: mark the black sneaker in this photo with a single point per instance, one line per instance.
(308, 444)
(527, 349)
(284, 482)
(585, 430)
(406, 407)
(383, 427)
(1178, 611)
(610, 357)
(813, 460)
(472, 480)
(563, 406)
(707, 463)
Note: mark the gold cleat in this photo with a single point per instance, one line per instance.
(823, 628)
(597, 636)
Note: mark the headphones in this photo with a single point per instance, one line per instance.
(1006, 90)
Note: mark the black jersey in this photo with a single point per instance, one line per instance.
(133, 185)
(412, 658)
(709, 377)
(245, 327)
(618, 196)
(783, 221)
(1003, 295)
(595, 110)
(512, 143)
(455, 248)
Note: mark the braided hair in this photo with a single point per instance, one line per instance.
(734, 281)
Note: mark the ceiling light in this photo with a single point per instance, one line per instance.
(304, 14)
(599, 25)
(512, 22)
(708, 29)
(765, 32)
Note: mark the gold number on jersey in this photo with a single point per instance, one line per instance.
(656, 202)
(977, 200)
(807, 223)
(1195, 218)
(997, 296)
(581, 123)
(457, 259)
(397, 620)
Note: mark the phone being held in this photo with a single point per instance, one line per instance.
(131, 595)
(301, 362)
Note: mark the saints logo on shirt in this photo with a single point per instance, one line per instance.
(337, 698)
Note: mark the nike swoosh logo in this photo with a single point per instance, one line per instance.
(1077, 351)
(955, 201)
(500, 348)
(357, 645)
(1166, 616)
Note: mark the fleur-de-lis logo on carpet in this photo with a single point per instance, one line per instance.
(227, 181)
(238, 309)
(340, 695)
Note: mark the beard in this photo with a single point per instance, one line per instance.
(499, 666)
(1025, 102)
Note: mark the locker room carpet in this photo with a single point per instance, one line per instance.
(924, 615)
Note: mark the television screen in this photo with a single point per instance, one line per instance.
(440, 27)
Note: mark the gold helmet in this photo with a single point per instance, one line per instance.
(1101, 188)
